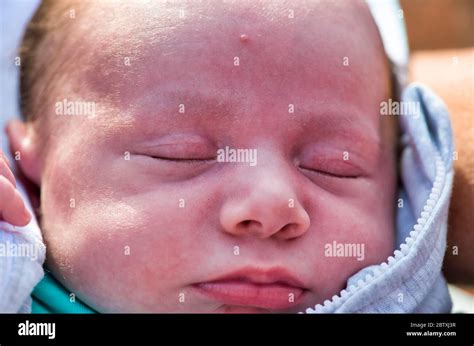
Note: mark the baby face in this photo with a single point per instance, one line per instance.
(138, 213)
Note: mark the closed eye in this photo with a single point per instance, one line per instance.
(330, 174)
(184, 160)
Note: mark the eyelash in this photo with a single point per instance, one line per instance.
(185, 161)
(201, 161)
(331, 175)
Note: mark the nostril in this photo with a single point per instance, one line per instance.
(289, 231)
(251, 228)
(248, 223)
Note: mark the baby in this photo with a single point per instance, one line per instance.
(128, 109)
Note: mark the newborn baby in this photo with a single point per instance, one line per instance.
(138, 209)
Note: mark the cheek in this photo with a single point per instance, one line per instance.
(113, 242)
(366, 223)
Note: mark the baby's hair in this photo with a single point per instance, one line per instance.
(36, 54)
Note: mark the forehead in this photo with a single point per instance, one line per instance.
(284, 40)
(318, 54)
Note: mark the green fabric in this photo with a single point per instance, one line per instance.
(50, 297)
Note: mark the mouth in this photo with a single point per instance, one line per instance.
(272, 289)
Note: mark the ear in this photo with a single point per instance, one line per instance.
(25, 149)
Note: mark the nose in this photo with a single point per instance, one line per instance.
(270, 209)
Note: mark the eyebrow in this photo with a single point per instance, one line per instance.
(345, 121)
(214, 103)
